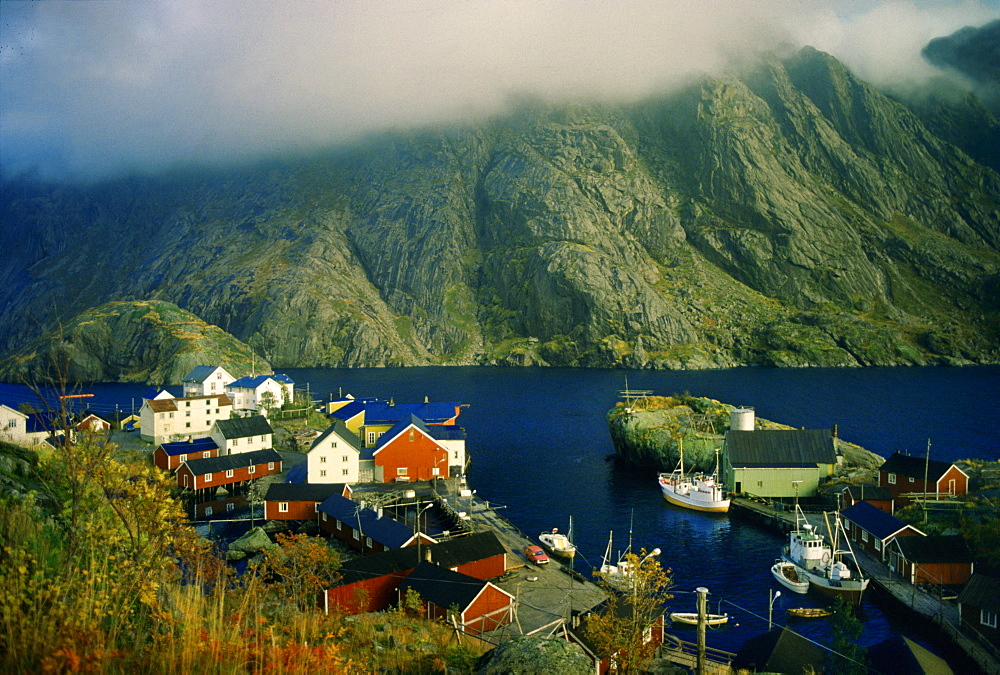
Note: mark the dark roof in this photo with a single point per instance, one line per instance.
(447, 432)
(942, 548)
(249, 382)
(914, 467)
(399, 428)
(199, 467)
(45, 422)
(451, 553)
(383, 529)
(869, 491)
(302, 492)
(342, 431)
(352, 409)
(981, 591)
(780, 651)
(189, 447)
(383, 412)
(442, 586)
(243, 427)
(898, 655)
(780, 448)
(873, 519)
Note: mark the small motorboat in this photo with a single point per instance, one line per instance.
(692, 618)
(558, 543)
(808, 612)
(786, 574)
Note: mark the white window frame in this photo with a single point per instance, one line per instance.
(890, 478)
(864, 535)
(402, 470)
(208, 478)
(251, 469)
(229, 473)
(282, 507)
(988, 618)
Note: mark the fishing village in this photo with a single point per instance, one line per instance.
(385, 483)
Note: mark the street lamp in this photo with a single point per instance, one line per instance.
(416, 528)
(770, 606)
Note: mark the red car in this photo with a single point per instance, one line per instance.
(536, 555)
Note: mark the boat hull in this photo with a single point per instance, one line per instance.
(691, 618)
(780, 575)
(721, 506)
(850, 595)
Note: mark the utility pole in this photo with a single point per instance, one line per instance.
(702, 611)
(927, 463)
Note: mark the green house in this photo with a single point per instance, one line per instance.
(771, 463)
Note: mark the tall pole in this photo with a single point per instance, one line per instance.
(702, 611)
(927, 463)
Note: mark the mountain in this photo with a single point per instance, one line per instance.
(786, 214)
(152, 342)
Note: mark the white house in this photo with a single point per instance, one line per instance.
(206, 380)
(178, 419)
(242, 434)
(334, 456)
(13, 425)
(250, 393)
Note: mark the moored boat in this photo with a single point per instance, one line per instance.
(808, 612)
(692, 618)
(785, 574)
(621, 575)
(700, 491)
(557, 543)
(822, 563)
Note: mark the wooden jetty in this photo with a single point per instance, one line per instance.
(683, 653)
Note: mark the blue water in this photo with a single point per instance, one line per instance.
(539, 442)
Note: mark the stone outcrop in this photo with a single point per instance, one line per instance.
(786, 214)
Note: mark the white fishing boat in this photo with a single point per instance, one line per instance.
(822, 563)
(621, 575)
(701, 492)
(692, 618)
(785, 573)
(557, 543)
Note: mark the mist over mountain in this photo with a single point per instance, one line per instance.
(973, 51)
(788, 215)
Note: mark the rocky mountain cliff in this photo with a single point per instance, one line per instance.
(150, 342)
(788, 214)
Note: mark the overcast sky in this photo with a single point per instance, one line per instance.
(97, 87)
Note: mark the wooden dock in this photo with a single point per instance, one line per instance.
(682, 653)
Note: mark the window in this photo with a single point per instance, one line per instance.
(229, 473)
(322, 474)
(344, 472)
(456, 454)
(252, 469)
(411, 435)
(11, 424)
(356, 534)
(891, 478)
(183, 458)
(334, 444)
(864, 535)
(343, 458)
(208, 401)
(187, 425)
(322, 459)
(371, 438)
(236, 441)
(208, 478)
(760, 483)
(401, 471)
(185, 480)
(230, 507)
(316, 507)
(282, 507)
(206, 454)
(187, 413)
(270, 466)
(263, 439)
(988, 618)
(170, 415)
(187, 404)
(878, 544)
(911, 479)
(208, 510)
(368, 542)
(435, 471)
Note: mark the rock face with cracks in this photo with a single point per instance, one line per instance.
(787, 214)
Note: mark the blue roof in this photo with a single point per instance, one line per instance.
(386, 531)
(297, 474)
(200, 373)
(189, 447)
(249, 382)
(44, 421)
(152, 393)
(873, 519)
(282, 378)
(350, 410)
(382, 411)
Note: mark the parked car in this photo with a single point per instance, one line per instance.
(536, 555)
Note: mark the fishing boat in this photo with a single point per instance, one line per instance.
(699, 491)
(808, 612)
(785, 574)
(621, 575)
(692, 618)
(822, 563)
(557, 543)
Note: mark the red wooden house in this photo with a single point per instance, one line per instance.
(298, 501)
(215, 472)
(876, 495)
(409, 452)
(169, 456)
(871, 529)
(979, 607)
(903, 475)
(369, 583)
(476, 606)
(942, 560)
(652, 636)
(93, 422)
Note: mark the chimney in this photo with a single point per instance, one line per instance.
(392, 401)
(427, 553)
(835, 431)
(426, 399)
(379, 513)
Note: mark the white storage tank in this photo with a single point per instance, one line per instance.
(741, 419)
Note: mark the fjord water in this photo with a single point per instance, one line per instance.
(539, 444)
